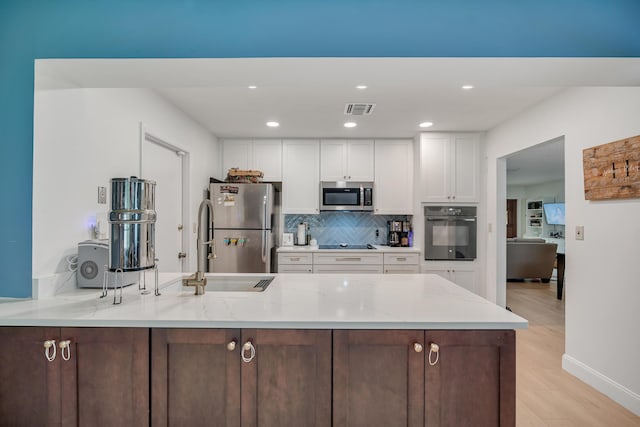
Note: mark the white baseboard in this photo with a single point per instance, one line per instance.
(603, 384)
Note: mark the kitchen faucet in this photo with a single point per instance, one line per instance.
(198, 279)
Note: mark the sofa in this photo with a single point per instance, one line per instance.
(530, 259)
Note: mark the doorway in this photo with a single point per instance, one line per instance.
(534, 179)
(166, 164)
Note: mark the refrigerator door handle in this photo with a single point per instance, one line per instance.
(264, 231)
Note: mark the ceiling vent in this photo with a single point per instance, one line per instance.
(358, 109)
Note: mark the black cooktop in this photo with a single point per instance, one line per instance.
(346, 246)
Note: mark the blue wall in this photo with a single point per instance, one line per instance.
(31, 29)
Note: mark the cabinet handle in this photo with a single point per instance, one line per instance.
(349, 259)
(401, 258)
(417, 347)
(294, 259)
(449, 197)
(248, 346)
(434, 349)
(453, 197)
(48, 344)
(231, 345)
(65, 345)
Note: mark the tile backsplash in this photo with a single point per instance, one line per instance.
(331, 228)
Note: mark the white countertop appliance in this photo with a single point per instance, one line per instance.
(93, 260)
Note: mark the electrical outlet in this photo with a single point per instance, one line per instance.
(102, 195)
(579, 232)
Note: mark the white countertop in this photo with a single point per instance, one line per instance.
(378, 248)
(309, 301)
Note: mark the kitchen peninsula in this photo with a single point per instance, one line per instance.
(326, 349)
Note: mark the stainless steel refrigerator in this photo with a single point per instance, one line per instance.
(243, 227)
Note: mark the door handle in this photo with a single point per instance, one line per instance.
(182, 255)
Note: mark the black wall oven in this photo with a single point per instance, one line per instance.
(450, 233)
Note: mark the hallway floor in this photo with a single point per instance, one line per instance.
(546, 395)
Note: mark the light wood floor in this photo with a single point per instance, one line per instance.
(546, 395)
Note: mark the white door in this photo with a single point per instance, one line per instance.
(164, 166)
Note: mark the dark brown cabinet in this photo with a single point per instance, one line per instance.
(249, 377)
(256, 377)
(29, 383)
(99, 376)
(417, 378)
(474, 379)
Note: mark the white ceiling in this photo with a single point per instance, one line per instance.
(535, 165)
(307, 95)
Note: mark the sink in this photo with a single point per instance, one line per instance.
(238, 283)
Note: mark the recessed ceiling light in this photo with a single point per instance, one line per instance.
(361, 87)
(425, 124)
(467, 87)
(273, 124)
(253, 87)
(350, 124)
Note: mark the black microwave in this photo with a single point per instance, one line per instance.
(346, 196)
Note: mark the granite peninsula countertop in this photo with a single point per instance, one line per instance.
(299, 301)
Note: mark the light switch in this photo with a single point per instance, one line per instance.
(102, 195)
(579, 232)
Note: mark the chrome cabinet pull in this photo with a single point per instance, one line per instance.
(248, 346)
(295, 259)
(231, 345)
(349, 259)
(65, 345)
(48, 344)
(401, 258)
(434, 349)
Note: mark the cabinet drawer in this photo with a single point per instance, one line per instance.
(401, 269)
(348, 268)
(295, 268)
(401, 258)
(294, 258)
(347, 258)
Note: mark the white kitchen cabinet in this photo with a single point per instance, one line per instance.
(449, 167)
(348, 268)
(295, 262)
(401, 263)
(346, 160)
(347, 262)
(393, 191)
(261, 154)
(458, 272)
(300, 176)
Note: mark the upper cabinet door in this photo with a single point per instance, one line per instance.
(300, 173)
(393, 191)
(333, 160)
(449, 167)
(342, 160)
(267, 157)
(236, 153)
(360, 160)
(264, 155)
(464, 182)
(435, 168)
